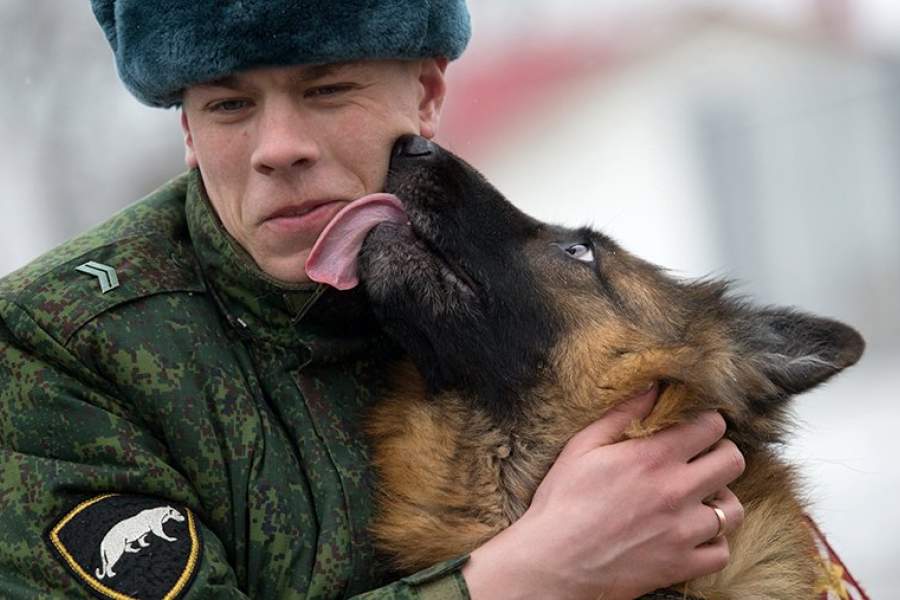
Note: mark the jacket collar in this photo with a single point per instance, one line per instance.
(332, 325)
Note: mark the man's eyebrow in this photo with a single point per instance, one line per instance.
(313, 72)
(310, 73)
(229, 81)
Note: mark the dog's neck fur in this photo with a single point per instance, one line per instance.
(452, 477)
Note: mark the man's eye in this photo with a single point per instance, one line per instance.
(228, 106)
(327, 90)
(581, 252)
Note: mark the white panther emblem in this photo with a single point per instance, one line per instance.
(122, 535)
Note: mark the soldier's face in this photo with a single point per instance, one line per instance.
(282, 150)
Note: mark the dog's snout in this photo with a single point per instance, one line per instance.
(412, 146)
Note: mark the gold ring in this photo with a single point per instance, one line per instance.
(720, 516)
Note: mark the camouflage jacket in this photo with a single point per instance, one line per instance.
(192, 432)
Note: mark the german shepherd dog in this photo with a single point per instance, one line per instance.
(520, 334)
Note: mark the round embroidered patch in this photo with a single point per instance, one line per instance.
(129, 547)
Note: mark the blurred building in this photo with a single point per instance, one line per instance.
(710, 143)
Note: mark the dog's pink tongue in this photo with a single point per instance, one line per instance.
(332, 259)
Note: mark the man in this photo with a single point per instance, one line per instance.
(180, 407)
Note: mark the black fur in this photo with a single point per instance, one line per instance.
(457, 288)
(454, 288)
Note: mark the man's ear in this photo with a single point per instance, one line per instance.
(797, 351)
(190, 157)
(434, 89)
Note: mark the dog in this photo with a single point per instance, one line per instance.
(519, 334)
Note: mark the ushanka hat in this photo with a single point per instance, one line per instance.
(163, 46)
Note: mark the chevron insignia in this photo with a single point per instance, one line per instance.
(106, 274)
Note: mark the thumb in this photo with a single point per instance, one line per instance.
(610, 428)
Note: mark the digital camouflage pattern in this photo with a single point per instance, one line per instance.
(203, 383)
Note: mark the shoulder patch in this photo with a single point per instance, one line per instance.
(129, 547)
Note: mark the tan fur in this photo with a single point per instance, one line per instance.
(451, 478)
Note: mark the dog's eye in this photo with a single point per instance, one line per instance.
(581, 252)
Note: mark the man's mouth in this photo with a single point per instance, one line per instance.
(293, 212)
(310, 218)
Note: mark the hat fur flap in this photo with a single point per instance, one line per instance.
(163, 46)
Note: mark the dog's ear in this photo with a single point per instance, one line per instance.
(797, 351)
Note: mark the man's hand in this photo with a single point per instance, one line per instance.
(617, 519)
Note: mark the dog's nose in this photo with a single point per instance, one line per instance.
(412, 146)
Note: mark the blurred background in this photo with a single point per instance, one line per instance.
(757, 140)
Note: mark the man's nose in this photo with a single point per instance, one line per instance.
(284, 140)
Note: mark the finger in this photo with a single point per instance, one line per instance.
(706, 524)
(708, 558)
(610, 428)
(714, 470)
(687, 440)
(702, 524)
(701, 560)
(730, 505)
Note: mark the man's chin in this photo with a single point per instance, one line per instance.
(289, 269)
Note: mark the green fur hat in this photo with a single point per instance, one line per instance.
(163, 46)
